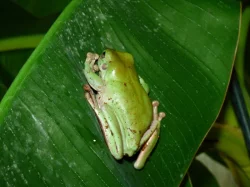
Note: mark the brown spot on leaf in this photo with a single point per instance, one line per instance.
(125, 84)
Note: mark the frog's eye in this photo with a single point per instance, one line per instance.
(103, 54)
(104, 66)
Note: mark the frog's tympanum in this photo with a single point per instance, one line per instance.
(129, 120)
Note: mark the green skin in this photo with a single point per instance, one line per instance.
(127, 117)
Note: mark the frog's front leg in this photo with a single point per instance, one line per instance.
(89, 71)
(150, 137)
(108, 122)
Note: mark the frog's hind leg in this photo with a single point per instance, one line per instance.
(154, 124)
(108, 123)
(150, 137)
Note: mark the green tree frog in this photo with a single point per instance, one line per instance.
(119, 97)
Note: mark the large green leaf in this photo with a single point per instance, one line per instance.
(183, 49)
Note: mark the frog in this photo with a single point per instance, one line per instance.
(130, 122)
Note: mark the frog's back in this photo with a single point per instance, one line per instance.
(133, 109)
(126, 97)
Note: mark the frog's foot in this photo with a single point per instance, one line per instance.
(157, 117)
(161, 115)
(90, 61)
(90, 96)
(150, 137)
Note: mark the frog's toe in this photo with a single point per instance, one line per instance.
(91, 57)
(157, 116)
(155, 103)
(86, 87)
(96, 68)
(90, 96)
(161, 116)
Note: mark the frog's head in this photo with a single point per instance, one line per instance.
(114, 64)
